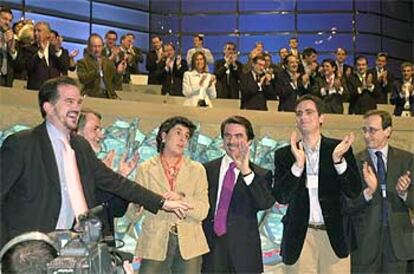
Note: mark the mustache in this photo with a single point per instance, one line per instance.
(72, 112)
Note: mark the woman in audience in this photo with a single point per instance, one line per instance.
(199, 85)
(331, 88)
(170, 243)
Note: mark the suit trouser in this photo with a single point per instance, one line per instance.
(173, 263)
(386, 261)
(317, 256)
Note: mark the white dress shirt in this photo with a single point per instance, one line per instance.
(194, 92)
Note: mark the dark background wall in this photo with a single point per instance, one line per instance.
(360, 26)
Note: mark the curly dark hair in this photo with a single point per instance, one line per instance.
(168, 124)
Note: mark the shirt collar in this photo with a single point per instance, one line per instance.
(55, 133)
(384, 151)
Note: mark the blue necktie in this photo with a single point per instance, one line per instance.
(383, 181)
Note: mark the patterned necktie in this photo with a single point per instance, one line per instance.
(220, 220)
(76, 195)
(381, 174)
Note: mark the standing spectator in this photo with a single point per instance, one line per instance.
(283, 52)
(382, 77)
(154, 58)
(403, 92)
(362, 92)
(8, 50)
(344, 70)
(44, 60)
(97, 73)
(199, 85)
(173, 68)
(294, 48)
(331, 88)
(258, 50)
(228, 72)
(381, 214)
(198, 41)
(237, 190)
(56, 41)
(110, 49)
(312, 176)
(131, 55)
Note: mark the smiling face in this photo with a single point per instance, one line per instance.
(92, 131)
(375, 136)
(233, 136)
(175, 140)
(308, 121)
(64, 113)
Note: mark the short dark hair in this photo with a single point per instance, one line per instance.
(286, 60)
(231, 44)
(55, 32)
(156, 36)
(83, 114)
(194, 57)
(386, 118)
(257, 58)
(308, 97)
(6, 10)
(94, 35)
(344, 50)
(130, 34)
(382, 54)
(199, 36)
(171, 44)
(360, 57)
(240, 120)
(168, 124)
(30, 256)
(331, 62)
(293, 38)
(309, 51)
(49, 92)
(111, 32)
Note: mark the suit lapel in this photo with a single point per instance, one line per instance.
(215, 175)
(48, 156)
(393, 167)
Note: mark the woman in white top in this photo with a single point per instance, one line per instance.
(199, 85)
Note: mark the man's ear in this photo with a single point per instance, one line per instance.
(47, 107)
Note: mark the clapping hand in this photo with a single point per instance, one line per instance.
(343, 147)
(126, 167)
(403, 183)
(297, 150)
(370, 178)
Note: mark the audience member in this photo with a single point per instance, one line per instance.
(110, 49)
(154, 59)
(131, 55)
(294, 48)
(8, 51)
(344, 70)
(198, 41)
(172, 71)
(382, 77)
(403, 92)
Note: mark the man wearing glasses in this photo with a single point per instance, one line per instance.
(384, 231)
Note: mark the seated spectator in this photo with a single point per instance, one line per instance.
(167, 243)
(331, 88)
(97, 73)
(362, 92)
(382, 77)
(290, 84)
(198, 41)
(403, 92)
(199, 85)
(154, 58)
(255, 86)
(228, 72)
(27, 253)
(172, 68)
(43, 60)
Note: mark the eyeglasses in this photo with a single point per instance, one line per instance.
(370, 130)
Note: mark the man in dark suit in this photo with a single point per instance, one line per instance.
(312, 176)
(42, 168)
(384, 232)
(255, 86)
(9, 55)
(154, 58)
(290, 84)
(43, 60)
(362, 91)
(403, 92)
(382, 77)
(343, 70)
(228, 72)
(172, 72)
(238, 189)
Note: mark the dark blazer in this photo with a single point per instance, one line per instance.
(251, 97)
(366, 216)
(30, 196)
(37, 69)
(286, 93)
(172, 81)
(153, 68)
(361, 103)
(333, 103)
(398, 101)
(88, 74)
(12, 65)
(292, 190)
(383, 90)
(242, 227)
(228, 85)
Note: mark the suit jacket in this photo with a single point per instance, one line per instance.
(286, 93)
(172, 80)
(30, 195)
(333, 103)
(361, 103)
(153, 68)
(366, 216)
(37, 69)
(132, 65)
(191, 182)
(383, 90)
(88, 74)
(228, 85)
(399, 101)
(12, 64)
(251, 97)
(289, 189)
(242, 227)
